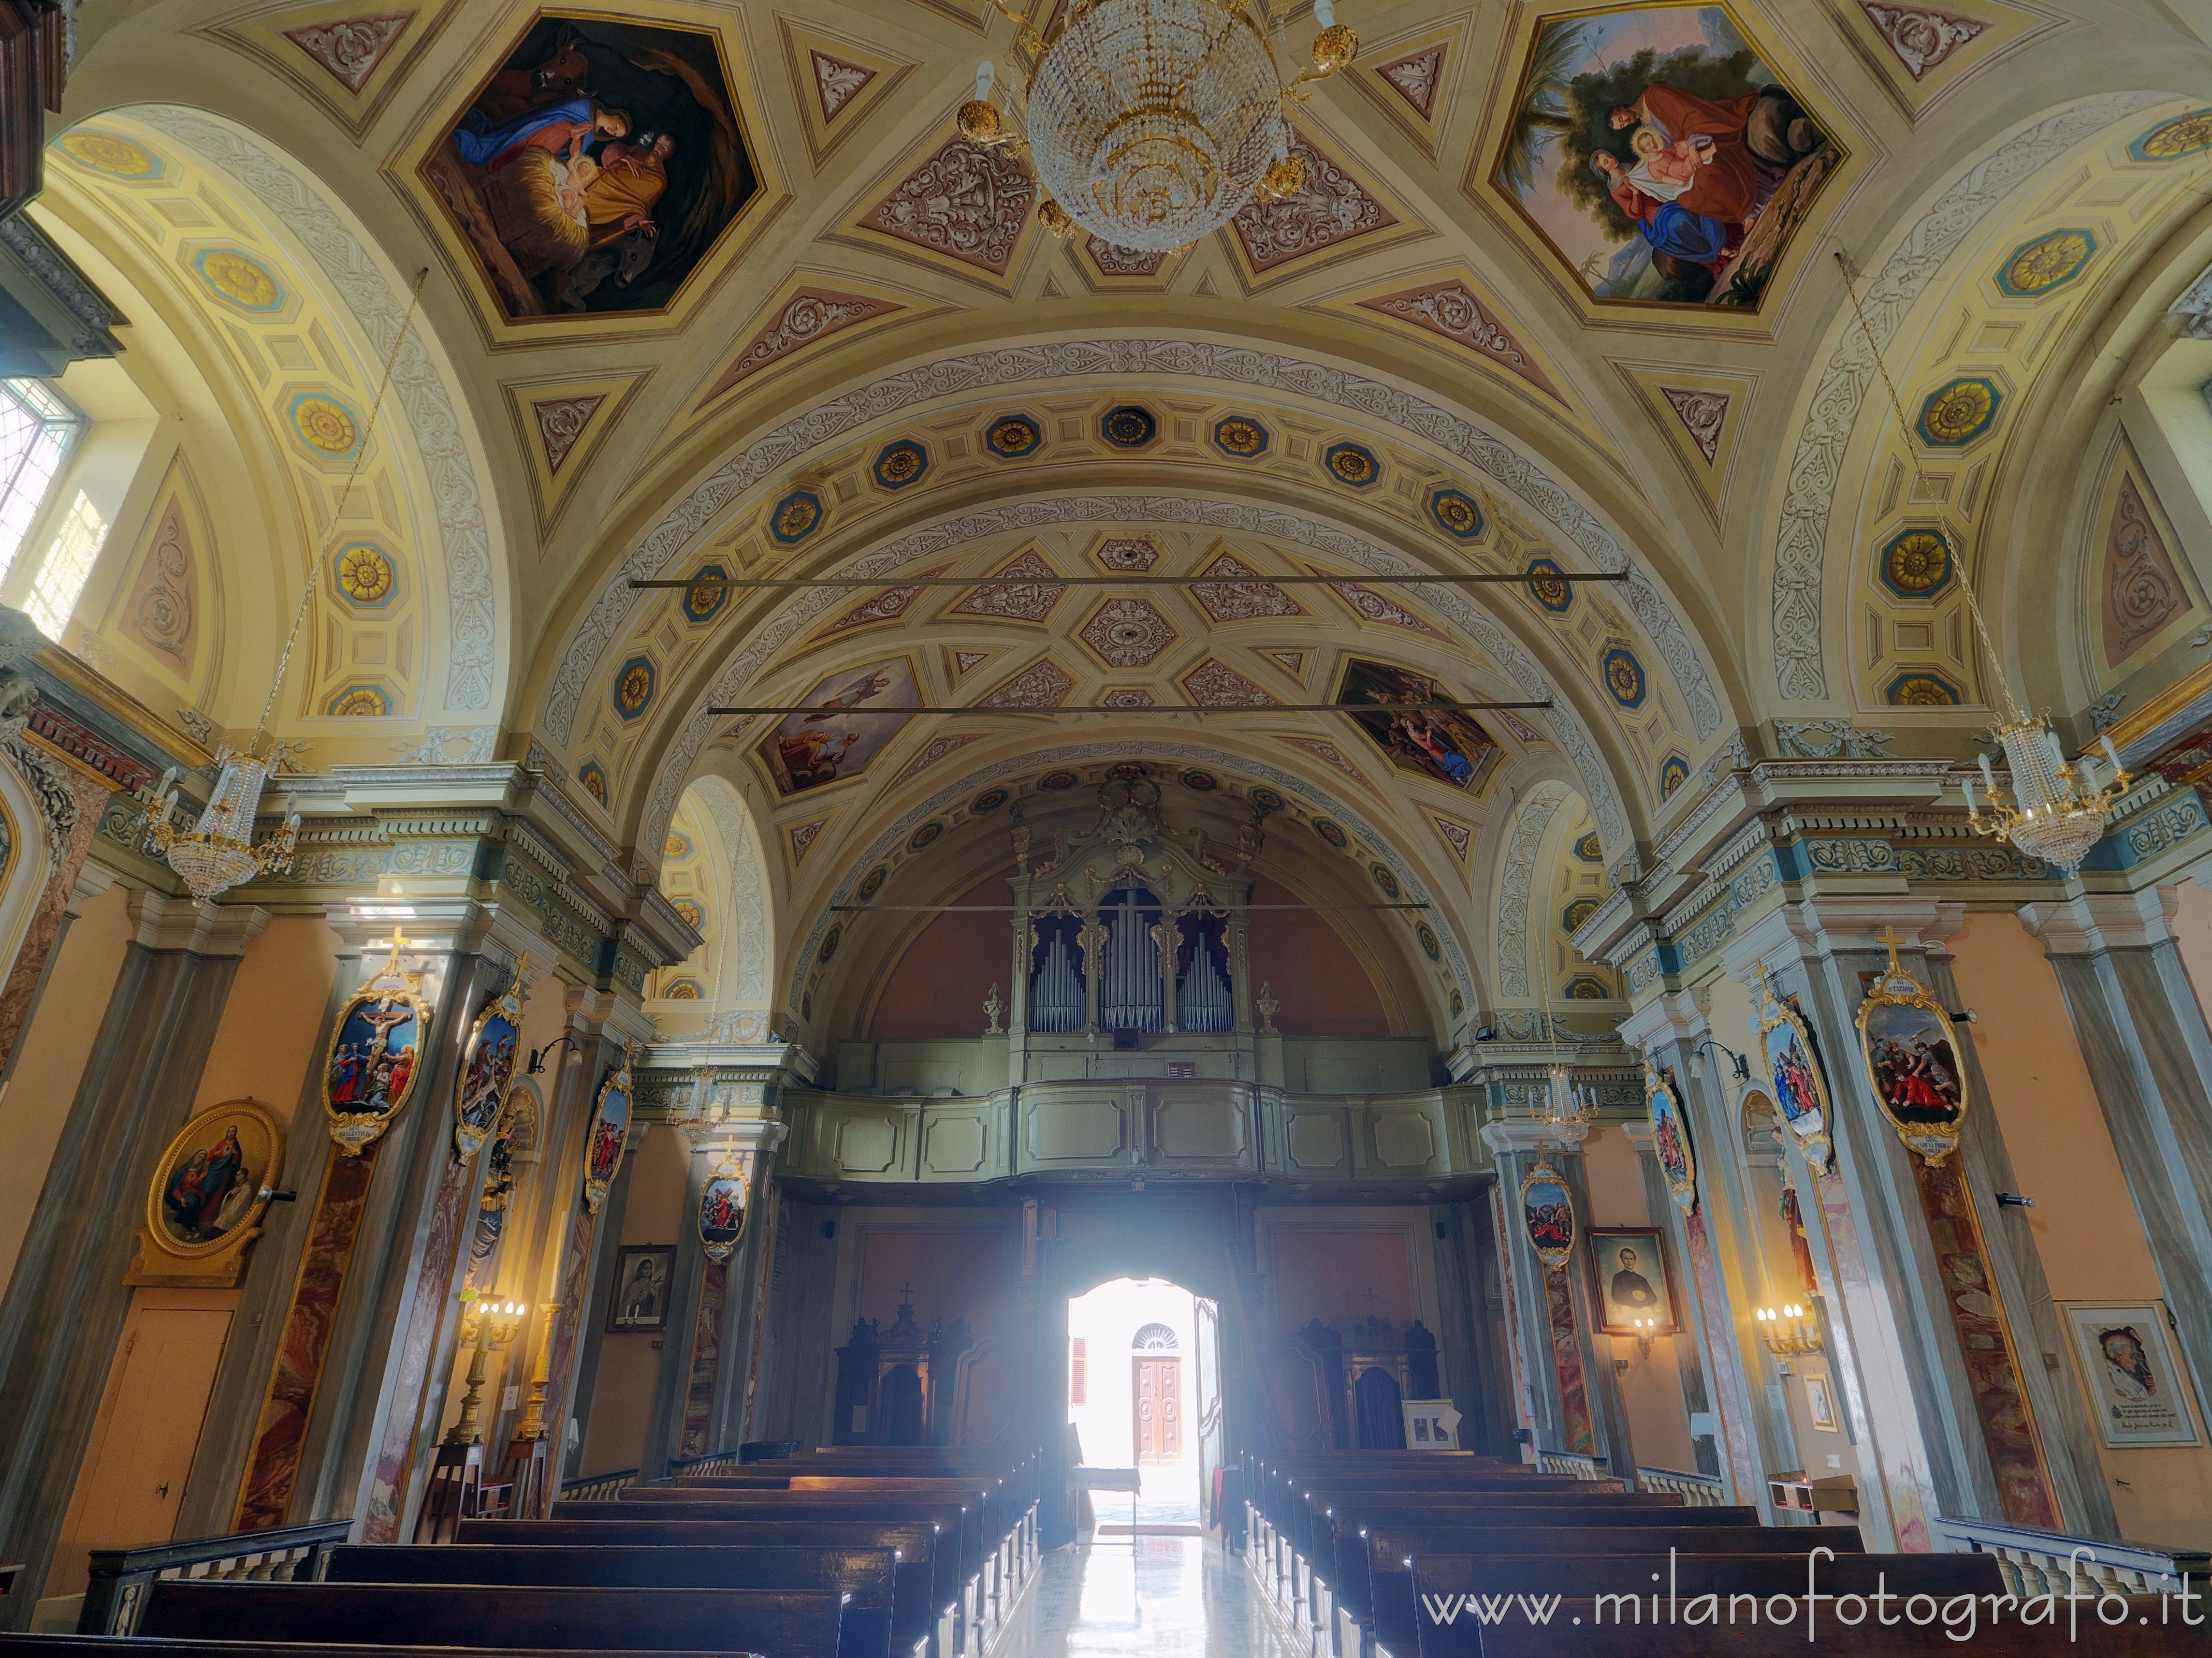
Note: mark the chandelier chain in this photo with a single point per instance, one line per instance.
(337, 509)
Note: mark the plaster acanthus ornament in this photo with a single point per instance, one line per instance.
(1127, 552)
(886, 607)
(1448, 309)
(938, 749)
(350, 49)
(956, 534)
(464, 538)
(1330, 755)
(1535, 817)
(1704, 413)
(1381, 609)
(1921, 36)
(434, 747)
(1231, 590)
(967, 202)
(1042, 684)
(809, 316)
(561, 423)
(1830, 740)
(1214, 684)
(1832, 406)
(1114, 261)
(1332, 207)
(835, 81)
(1033, 602)
(1416, 78)
(603, 627)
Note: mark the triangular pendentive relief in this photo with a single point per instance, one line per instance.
(350, 48)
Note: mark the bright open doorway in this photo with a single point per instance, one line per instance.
(1143, 1392)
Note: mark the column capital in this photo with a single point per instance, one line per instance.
(92, 879)
(432, 926)
(1676, 1017)
(159, 922)
(2092, 923)
(1511, 1136)
(1642, 1136)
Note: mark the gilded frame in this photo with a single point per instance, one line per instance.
(1553, 1254)
(1678, 1159)
(214, 1263)
(478, 1099)
(1897, 1008)
(603, 1146)
(390, 993)
(1812, 1122)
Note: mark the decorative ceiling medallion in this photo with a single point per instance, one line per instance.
(2035, 268)
(1214, 684)
(1457, 513)
(560, 425)
(1128, 632)
(1920, 689)
(1033, 602)
(900, 464)
(1231, 590)
(1547, 589)
(636, 682)
(808, 317)
(1916, 565)
(836, 83)
(364, 574)
(629, 237)
(1353, 463)
(936, 750)
(1702, 413)
(1043, 684)
(1694, 198)
(1623, 677)
(1013, 437)
(105, 152)
(2189, 136)
(1241, 437)
(1128, 427)
(1674, 772)
(1956, 414)
(1449, 308)
(1126, 696)
(887, 605)
(1333, 208)
(704, 598)
(350, 49)
(245, 282)
(795, 517)
(1922, 37)
(963, 204)
(1589, 849)
(1134, 553)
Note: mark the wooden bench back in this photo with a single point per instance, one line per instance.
(779, 1622)
(19, 1645)
(864, 1577)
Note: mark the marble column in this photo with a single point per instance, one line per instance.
(2144, 1033)
(1577, 1396)
(65, 1306)
(1690, 1370)
(1892, 1294)
(72, 799)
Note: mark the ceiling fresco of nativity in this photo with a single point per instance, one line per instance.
(726, 293)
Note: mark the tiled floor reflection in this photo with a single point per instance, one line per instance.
(1176, 1597)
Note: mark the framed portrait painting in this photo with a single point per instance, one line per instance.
(643, 1273)
(603, 1147)
(1633, 1284)
(1547, 1211)
(1795, 1074)
(2137, 1391)
(204, 1204)
(1820, 1404)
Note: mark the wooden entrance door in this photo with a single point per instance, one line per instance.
(1160, 1410)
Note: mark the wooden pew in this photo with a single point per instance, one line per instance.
(1381, 1601)
(1450, 1627)
(864, 1577)
(925, 1578)
(785, 1625)
(19, 1645)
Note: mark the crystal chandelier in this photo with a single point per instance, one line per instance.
(218, 851)
(1152, 123)
(2056, 815)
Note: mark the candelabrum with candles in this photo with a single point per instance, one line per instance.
(1568, 1105)
(1787, 1330)
(219, 850)
(489, 1324)
(1647, 1332)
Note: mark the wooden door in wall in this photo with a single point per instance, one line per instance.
(1160, 1410)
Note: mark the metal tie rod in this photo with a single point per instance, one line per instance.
(1254, 580)
(1115, 708)
(1046, 913)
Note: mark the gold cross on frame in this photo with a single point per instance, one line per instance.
(1888, 937)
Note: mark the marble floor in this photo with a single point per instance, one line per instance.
(1159, 1597)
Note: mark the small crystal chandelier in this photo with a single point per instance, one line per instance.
(2056, 815)
(1152, 123)
(219, 851)
(1568, 1105)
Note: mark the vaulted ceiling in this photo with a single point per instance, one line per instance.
(849, 345)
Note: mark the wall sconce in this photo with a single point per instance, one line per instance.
(1647, 1332)
(1787, 1330)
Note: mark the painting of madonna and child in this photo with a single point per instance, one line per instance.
(597, 166)
(1659, 157)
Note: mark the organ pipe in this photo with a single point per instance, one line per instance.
(1202, 1003)
(1130, 989)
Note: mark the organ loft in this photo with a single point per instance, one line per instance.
(984, 829)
